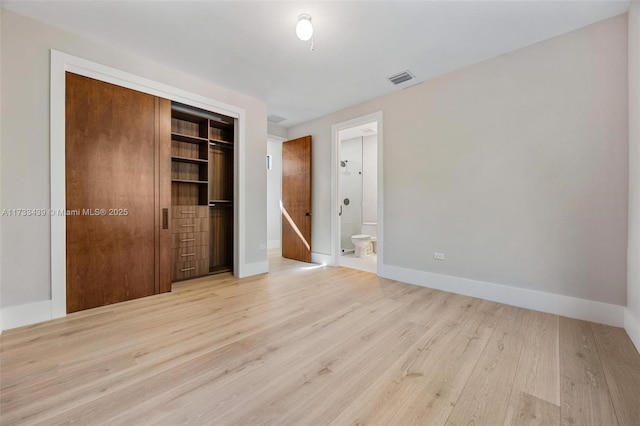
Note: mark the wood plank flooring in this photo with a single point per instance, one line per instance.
(315, 345)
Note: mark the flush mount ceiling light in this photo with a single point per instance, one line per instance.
(304, 28)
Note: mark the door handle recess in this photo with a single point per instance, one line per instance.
(165, 218)
(307, 213)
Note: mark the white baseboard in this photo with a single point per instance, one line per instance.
(632, 327)
(322, 259)
(272, 244)
(30, 313)
(588, 310)
(255, 268)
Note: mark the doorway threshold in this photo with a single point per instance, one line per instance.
(367, 263)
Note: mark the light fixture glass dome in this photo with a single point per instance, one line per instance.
(304, 28)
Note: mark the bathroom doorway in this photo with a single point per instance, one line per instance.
(357, 242)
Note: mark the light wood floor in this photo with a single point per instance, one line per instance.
(317, 345)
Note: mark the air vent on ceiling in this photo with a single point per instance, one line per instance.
(401, 77)
(275, 118)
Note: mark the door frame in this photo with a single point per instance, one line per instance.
(335, 218)
(60, 64)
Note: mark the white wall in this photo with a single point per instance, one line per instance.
(370, 179)
(632, 314)
(277, 131)
(274, 184)
(274, 195)
(1, 204)
(25, 269)
(516, 168)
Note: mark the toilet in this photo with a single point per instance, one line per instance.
(362, 243)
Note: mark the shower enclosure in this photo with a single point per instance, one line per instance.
(357, 176)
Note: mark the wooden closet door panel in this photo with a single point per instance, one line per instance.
(110, 164)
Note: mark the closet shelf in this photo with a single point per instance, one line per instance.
(189, 160)
(219, 123)
(188, 138)
(200, 182)
(219, 141)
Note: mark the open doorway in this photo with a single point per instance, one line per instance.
(356, 238)
(289, 198)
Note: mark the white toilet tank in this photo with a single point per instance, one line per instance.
(369, 229)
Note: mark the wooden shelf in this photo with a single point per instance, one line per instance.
(220, 201)
(187, 116)
(216, 123)
(200, 182)
(189, 160)
(188, 138)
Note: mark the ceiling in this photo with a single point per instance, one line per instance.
(251, 47)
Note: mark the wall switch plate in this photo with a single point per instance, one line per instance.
(438, 256)
(262, 246)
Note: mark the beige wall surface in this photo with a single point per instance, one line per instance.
(275, 130)
(274, 194)
(516, 168)
(633, 266)
(1, 203)
(25, 269)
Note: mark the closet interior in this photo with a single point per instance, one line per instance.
(202, 192)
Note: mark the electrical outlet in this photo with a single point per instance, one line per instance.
(262, 246)
(438, 256)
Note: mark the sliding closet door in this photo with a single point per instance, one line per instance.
(116, 159)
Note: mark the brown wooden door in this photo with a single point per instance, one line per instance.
(296, 199)
(117, 180)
